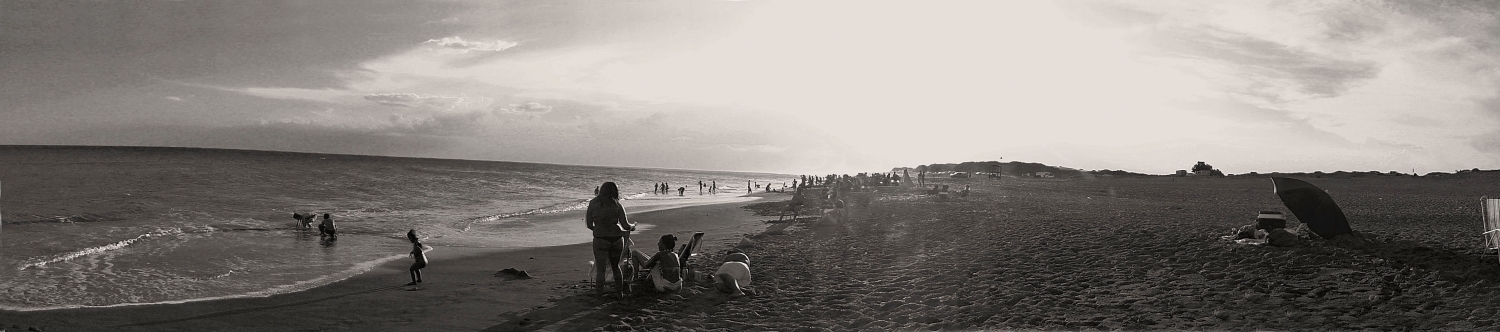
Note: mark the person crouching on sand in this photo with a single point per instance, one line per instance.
(327, 228)
(420, 259)
(734, 274)
(666, 271)
(606, 218)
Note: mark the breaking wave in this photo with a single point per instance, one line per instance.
(101, 249)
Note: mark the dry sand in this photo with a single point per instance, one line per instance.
(1115, 254)
(1108, 254)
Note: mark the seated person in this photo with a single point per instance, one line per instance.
(734, 274)
(838, 213)
(797, 200)
(327, 228)
(666, 272)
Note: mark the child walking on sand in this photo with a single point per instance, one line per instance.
(666, 271)
(420, 259)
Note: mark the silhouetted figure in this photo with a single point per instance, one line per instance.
(419, 258)
(606, 218)
(327, 228)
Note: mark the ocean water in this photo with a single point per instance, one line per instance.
(110, 226)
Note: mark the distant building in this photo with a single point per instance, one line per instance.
(1203, 169)
(1182, 172)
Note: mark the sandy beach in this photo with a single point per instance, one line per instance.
(1107, 255)
(463, 290)
(1117, 254)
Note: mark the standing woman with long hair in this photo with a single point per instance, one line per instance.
(606, 218)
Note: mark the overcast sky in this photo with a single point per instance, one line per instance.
(783, 86)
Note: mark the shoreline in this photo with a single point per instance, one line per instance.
(462, 285)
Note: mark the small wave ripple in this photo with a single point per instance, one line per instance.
(100, 249)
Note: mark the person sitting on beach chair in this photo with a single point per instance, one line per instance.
(793, 206)
(835, 212)
(666, 272)
(734, 274)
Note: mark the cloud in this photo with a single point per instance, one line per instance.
(761, 148)
(455, 124)
(446, 21)
(1263, 68)
(459, 45)
(320, 95)
(416, 100)
(527, 108)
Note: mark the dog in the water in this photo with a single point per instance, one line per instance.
(305, 219)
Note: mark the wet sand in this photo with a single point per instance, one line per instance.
(462, 290)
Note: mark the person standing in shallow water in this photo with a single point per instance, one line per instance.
(606, 218)
(419, 258)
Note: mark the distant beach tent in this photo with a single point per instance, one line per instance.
(1491, 222)
(1312, 206)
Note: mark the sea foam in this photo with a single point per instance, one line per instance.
(100, 249)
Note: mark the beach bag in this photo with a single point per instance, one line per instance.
(1269, 220)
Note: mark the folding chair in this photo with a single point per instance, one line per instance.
(1491, 221)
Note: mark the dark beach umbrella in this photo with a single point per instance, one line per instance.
(1312, 206)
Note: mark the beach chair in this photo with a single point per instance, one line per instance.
(793, 206)
(687, 252)
(628, 269)
(1491, 221)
